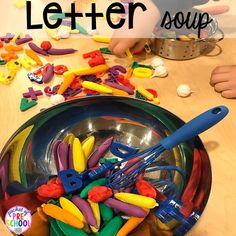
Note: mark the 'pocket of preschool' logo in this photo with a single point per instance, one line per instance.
(18, 219)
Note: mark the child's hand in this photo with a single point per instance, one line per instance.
(223, 79)
(118, 46)
(135, 38)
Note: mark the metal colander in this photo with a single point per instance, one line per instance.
(172, 48)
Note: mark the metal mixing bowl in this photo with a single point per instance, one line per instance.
(28, 153)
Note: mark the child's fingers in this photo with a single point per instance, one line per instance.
(229, 94)
(215, 10)
(223, 79)
(218, 78)
(113, 43)
(119, 50)
(221, 69)
(224, 86)
(139, 46)
(121, 46)
(117, 47)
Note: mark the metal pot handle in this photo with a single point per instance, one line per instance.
(214, 40)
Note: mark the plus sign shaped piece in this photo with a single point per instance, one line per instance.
(32, 94)
(7, 38)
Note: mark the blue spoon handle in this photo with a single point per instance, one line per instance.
(194, 127)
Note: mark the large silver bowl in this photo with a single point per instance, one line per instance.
(28, 153)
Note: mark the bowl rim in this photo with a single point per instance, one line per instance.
(110, 97)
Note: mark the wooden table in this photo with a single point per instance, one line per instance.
(218, 217)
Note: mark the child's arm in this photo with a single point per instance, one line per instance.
(223, 79)
(134, 39)
(145, 22)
